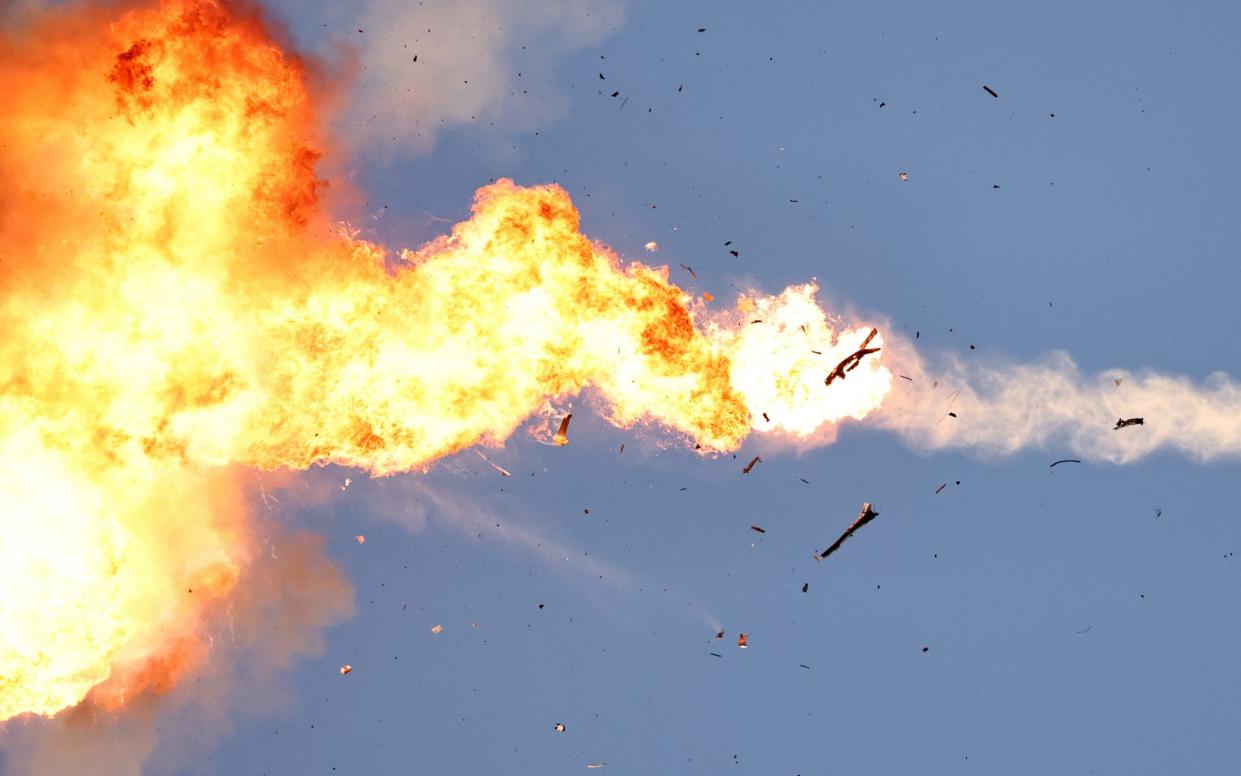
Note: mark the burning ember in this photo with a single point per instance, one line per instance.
(173, 305)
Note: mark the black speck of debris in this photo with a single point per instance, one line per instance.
(803, 479)
(735, 253)
(730, 242)
(715, 654)
(805, 587)
(702, 29)
(1158, 513)
(1066, 460)
(601, 78)
(972, 347)
(540, 606)
(882, 104)
(952, 414)
(1087, 630)
(926, 649)
(990, 91)
(615, 94)
(995, 185)
(803, 665)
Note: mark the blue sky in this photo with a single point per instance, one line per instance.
(1025, 620)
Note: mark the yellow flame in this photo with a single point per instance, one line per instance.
(172, 305)
(781, 350)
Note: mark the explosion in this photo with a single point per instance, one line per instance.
(174, 305)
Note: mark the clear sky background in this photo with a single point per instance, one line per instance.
(1080, 619)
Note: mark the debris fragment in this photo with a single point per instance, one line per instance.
(719, 635)
(562, 435)
(346, 485)
(805, 587)
(904, 176)
(651, 246)
(850, 363)
(596, 765)
(766, 418)
(941, 487)
(990, 91)
(1088, 627)
(743, 640)
(867, 515)
(707, 296)
(926, 649)
(1066, 460)
(952, 414)
(690, 270)
(361, 539)
(560, 728)
(715, 654)
(803, 665)
(346, 668)
(438, 629)
(757, 529)
(750, 465)
(1121, 422)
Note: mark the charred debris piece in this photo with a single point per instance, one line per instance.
(562, 435)
(758, 529)
(850, 363)
(755, 460)
(1123, 422)
(867, 515)
(990, 91)
(1065, 460)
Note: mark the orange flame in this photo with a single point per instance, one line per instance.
(172, 305)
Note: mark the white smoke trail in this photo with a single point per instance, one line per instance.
(999, 407)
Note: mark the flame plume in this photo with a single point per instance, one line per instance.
(172, 305)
